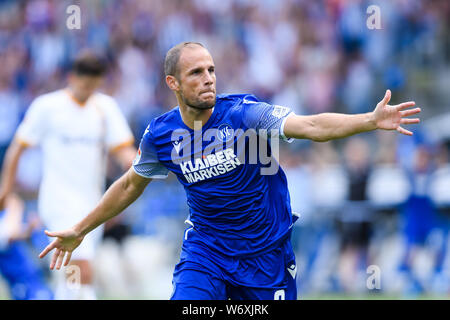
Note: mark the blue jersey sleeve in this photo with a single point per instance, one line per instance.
(146, 163)
(264, 116)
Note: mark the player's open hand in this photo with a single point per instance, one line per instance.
(389, 117)
(66, 241)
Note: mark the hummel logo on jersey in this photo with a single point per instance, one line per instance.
(177, 146)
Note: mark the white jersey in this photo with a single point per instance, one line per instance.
(74, 139)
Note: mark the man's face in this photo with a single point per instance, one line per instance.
(84, 86)
(196, 78)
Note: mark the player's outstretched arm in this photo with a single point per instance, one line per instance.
(119, 196)
(328, 126)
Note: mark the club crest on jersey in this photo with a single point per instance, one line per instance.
(225, 132)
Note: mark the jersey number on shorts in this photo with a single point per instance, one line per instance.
(279, 295)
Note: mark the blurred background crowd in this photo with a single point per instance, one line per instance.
(375, 199)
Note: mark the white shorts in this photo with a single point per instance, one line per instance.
(88, 247)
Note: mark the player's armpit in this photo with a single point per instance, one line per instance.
(138, 181)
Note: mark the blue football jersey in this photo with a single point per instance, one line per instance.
(235, 206)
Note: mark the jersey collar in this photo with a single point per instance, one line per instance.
(75, 100)
(207, 124)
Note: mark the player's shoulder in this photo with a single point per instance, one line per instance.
(237, 99)
(48, 100)
(106, 101)
(164, 123)
(167, 118)
(57, 94)
(237, 105)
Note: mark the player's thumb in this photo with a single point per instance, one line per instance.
(52, 234)
(387, 97)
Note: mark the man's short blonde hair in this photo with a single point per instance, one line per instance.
(173, 56)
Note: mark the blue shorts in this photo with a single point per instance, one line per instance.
(205, 274)
(22, 273)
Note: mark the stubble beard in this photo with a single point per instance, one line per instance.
(198, 104)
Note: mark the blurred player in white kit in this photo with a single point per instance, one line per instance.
(76, 127)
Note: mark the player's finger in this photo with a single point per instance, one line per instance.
(409, 120)
(54, 258)
(405, 105)
(404, 131)
(69, 255)
(409, 112)
(47, 249)
(52, 234)
(387, 97)
(60, 259)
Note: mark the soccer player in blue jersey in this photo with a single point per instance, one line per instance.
(237, 245)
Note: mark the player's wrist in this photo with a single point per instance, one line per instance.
(371, 121)
(79, 231)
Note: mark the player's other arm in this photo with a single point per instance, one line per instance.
(8, 174)
(124, 155)
(119, 196)
(328, 126)
(29, 133)
(12, 227)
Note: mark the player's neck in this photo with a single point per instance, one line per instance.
(76, 97)
(189, 115)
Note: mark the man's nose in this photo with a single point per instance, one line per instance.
(208, 78)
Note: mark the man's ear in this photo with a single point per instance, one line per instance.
(172, 83)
